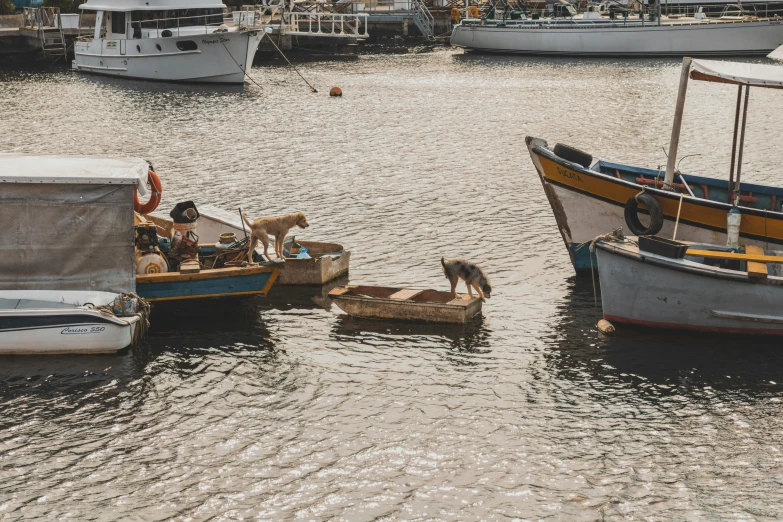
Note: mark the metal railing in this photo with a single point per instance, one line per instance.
(325, 24)
(46, 20)
(423, 19)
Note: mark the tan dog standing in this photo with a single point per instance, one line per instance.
(261, 229)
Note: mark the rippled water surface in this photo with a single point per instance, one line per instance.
(280, 409)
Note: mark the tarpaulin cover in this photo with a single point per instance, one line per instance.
(51, 168)
(67, 237)
(738, 73)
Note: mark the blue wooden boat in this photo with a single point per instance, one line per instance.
(219, 282)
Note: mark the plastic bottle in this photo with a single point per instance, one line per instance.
(733, 220)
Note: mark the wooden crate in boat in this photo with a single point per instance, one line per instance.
(405, 304)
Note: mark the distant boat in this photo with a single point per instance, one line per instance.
(592, 197)
(380, 302)
(730, 35)
(705, 288)
(62, 322)
(152, 41)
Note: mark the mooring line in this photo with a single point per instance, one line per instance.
(289, 62)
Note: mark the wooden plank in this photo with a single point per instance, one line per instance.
(756, 269)
(405, 293)
(759, 258)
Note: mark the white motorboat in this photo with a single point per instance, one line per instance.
(630, 37)
(169, 40)
(62, 322)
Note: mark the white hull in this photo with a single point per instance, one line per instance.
(44, 322)
(590, 217)
(219, 57)
(671, 39)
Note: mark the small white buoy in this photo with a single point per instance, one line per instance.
(605, 327)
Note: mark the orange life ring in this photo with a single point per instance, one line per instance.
(154, 201)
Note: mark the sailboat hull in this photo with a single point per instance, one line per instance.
(703, 38)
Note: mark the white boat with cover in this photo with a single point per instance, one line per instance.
(707, 288)
(66, 252)
(57, 322)
(170, 40)
(656, 36)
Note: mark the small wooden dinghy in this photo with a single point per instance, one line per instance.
(405, 304)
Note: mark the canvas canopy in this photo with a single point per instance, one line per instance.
(737, 73)
(66, 222)
(30, 168)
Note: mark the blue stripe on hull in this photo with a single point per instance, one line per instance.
(580, 258)
(215, 287)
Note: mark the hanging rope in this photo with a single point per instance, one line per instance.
(312, 89)
(240, 67)
(615, 235)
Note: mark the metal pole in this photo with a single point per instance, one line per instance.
(675, 141)
(734, 141)
(742, 141)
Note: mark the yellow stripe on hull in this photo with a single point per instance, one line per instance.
(694, 211)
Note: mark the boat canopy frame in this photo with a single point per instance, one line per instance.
(744, 75)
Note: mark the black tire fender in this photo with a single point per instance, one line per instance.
(573, 155)
(632, 214)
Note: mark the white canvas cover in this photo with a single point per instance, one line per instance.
(31, 168)
(72, 231)
(738, 73)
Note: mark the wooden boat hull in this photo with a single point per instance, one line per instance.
(316, 270)
(587, 203)
(456, 311)
(328, 262)
(649, 290)
(223, 282)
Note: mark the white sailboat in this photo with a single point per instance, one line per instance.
(170, 40)
(625, 37)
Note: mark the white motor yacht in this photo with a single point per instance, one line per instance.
(169, 40)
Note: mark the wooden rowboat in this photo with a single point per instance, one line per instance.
(405, 304)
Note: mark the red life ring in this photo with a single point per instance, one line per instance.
(152, 204)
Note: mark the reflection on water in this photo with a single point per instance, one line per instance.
(280, 407)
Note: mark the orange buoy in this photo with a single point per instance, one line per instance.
(152, 204)
(336, 91)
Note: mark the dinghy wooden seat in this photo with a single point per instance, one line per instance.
(405, 304)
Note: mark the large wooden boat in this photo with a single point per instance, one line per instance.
(592, 197)
(709, 288)
(408, 304)
(203, 276)
(206, 283)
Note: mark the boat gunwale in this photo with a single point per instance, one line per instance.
(674, 196)
(206, 273)
(686, 266)
(407, 302)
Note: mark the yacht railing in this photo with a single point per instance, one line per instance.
(320, 23)
(155, 28)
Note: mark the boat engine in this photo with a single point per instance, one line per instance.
(149, 258)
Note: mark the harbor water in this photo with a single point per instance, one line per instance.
(277, 408)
